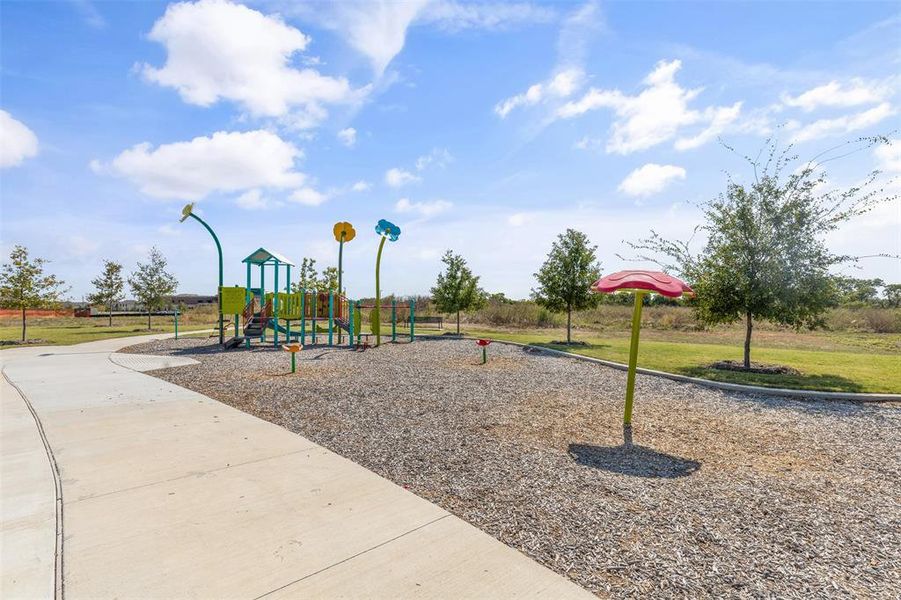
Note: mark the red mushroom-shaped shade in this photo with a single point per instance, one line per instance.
(483, 342)
(652, 281)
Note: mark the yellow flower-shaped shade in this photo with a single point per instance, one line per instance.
(186, 212)
(344, 229)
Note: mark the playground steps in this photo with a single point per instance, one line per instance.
(343, 324)
(255, 325)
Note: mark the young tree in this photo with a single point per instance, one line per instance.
(151, 283)
(24, 285)
(457, 289)
(306, 278)
(765, 255)
(108, 287)
(565, 278)
(328, 281)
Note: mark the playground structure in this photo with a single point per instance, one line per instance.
(280, 311)
(304, 316)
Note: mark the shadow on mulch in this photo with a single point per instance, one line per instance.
(637, 461)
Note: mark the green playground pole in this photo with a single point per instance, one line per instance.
(293, 362)
(275, 308)
(247, 297)
(393, 320)
(303, 316)
(188, 212)
(331, 314)
(288, 300)
(633, 362)
(176, 323)
(360, 328)
(377, 318)
(236, 325)
(350, 323)
(262, 300)
(412, 319)
(484, 354)
(315, 313)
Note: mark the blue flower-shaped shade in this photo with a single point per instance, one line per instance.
(388, 229)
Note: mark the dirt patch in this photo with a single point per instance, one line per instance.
(762, 368)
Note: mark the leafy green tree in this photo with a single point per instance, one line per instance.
(859, 292)
(765, 256)
(328, 280)
(565, 278)
(456, 289)
(24, 285)
(151, 283)
(108, 287)
(892, 293)
(307, 279)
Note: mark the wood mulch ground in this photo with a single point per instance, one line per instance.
(724, 494)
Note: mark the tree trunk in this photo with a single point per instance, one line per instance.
(569, 323)
(110, 307)
(749, 326)
(148, 320)
(23, 324)
(458, 322)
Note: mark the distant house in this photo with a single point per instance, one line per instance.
(192, 300)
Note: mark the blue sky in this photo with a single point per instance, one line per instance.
(486, 128)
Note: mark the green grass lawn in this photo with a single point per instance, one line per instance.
(61, 331)
(856, 368)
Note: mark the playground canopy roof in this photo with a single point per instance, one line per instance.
(261, 256)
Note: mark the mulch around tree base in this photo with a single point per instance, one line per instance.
(724, 494)
(765, 369)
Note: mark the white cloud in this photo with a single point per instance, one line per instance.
(519, 219)
(396, 177)
(348, 137)
(844, 124)
(423, 209)
(719, 117)
(377, 28)
(220, 50)
(650, 179)
(308, 196)
(438, 157)
(889, 156)
(456, 16)
(225, 162)
(653, 116)
(561, 85)
(255, 200)
(361, 186)
(834, 93)
(17, 141)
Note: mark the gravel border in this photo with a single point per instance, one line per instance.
(724, 494)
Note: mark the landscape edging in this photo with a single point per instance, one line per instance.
(734, 387)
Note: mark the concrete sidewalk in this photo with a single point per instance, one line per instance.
(169, 494)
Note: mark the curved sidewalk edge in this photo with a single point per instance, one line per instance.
(734, 387)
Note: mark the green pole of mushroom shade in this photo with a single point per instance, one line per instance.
(376, 318)
(633, 358)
